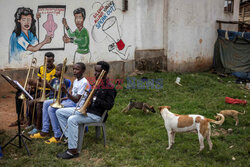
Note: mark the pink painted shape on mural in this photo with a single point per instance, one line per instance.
(50, 26)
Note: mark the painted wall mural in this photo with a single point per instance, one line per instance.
(48, 29)
(80, 36)
(50, 24)
(23, 40)
(106, 24)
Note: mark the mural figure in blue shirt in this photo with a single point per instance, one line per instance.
(23, 38)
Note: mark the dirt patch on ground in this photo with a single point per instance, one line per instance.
(7, 107)
(221, 132)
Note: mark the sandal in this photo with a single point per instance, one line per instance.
(37, 136)
(33, 131)
(29, 127)
(52, 140)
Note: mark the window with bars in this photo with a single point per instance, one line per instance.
(229, 6)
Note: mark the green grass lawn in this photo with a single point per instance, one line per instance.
(139, 139)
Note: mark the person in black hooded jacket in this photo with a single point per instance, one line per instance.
(103, 99)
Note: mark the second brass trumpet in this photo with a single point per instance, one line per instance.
(57, 103)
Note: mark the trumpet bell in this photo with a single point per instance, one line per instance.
(42, 99)
(56, 105)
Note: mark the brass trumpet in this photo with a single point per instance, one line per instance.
(87, 102)
(34, 60)
(57, 103)
(43, 97)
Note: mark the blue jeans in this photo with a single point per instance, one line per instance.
(49, 115)
(72, 118)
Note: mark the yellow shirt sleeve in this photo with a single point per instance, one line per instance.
(49, 75)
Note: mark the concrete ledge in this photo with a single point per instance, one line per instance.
(118, 69)
(198, 64)
(150, 60)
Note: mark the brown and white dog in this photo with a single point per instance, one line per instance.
(231, 113)
(186, 123)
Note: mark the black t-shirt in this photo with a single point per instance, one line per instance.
(103, 98)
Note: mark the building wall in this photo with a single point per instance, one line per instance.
(245, 12)
(149, 24)
(182, 33)
(191, 32)
(100, 41)
(149, 54)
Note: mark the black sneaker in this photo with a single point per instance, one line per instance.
(67, 155)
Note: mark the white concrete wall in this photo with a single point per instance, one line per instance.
(191, 32)
(98, 45)
(185, 29)
(149, 24)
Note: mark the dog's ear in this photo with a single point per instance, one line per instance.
(152, 109)
(160, 107)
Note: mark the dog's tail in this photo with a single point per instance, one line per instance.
(242, 113)
(151, 108)
(220, 122)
